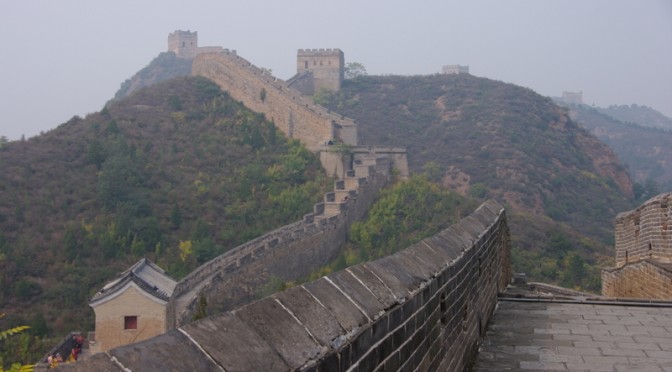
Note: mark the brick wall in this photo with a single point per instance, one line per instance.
(642, 279)
(297, 116)
(423, 308)
(110, 332)
(326, 67)
(645, 232)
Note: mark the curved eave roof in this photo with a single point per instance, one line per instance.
(146, 275)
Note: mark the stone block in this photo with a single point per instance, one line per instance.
(281, 331)
(358, 293)
(152, 354)
(347, 314)
(320, 321)
(234, 345)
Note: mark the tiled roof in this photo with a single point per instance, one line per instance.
(147, 275)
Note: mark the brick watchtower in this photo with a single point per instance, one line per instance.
(326, 65)
(183, 43)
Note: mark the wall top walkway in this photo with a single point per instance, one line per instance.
(292, 329)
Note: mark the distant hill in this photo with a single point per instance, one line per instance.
(640, 115)
(485, 138)
(646, 150)
(164, 67)
(178, 172)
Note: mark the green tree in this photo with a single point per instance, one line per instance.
(176, 216)
(354, 70)
(13, 366)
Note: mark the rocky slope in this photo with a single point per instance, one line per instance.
(645, 149)
(490, 139)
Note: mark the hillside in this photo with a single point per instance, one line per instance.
(489, 139)
(164, 67)
(646, 150)
(178, 173)
(641, 115)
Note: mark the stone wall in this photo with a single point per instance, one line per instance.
(642, 279)
(423, 308)
(645, 232)
(185, 45)
(288, 253)
(327, 67)
(297, 116)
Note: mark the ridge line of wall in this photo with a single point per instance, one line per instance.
(294, 114)
(427, 307)
(289, 252)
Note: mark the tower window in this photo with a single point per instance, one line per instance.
(131, 322)
(305, 64)
(183, 44)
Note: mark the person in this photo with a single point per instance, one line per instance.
(77, 342)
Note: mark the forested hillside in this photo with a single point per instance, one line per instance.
(178, 173)
(640, 115)
(489, 139)
(646, 149)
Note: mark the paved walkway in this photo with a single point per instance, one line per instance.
(548, 336)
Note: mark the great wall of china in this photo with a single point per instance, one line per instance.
(423, 308)
(643, 252)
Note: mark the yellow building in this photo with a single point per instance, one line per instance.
(132, 307)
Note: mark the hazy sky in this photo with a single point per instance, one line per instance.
(64, 58)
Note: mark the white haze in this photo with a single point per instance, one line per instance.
(66, 58)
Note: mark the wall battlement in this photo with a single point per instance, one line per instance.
(185, 44)
(646, 232)
(302, 52)
(643, 252)
(423, 308)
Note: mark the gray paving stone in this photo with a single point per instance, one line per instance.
(638, 367)
(582, 338)
(573, 337)
(637, 345)
(660, 354)
(560, 358)
(539, 366)
(590, 367)
(622, 352)
(613, 338)
(605, 359)
(592, 351)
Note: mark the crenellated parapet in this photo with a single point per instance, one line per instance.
(643, 252)
(646, 232)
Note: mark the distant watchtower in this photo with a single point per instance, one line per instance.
(326, 66)
(183, 43)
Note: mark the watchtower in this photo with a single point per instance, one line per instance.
(183, 43)
(326, 66)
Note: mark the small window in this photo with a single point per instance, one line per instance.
(305, 64)
(131, 322)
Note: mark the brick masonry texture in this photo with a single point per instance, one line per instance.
(643, 252)
(645, 232)
(642, 279)
(424, 308)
